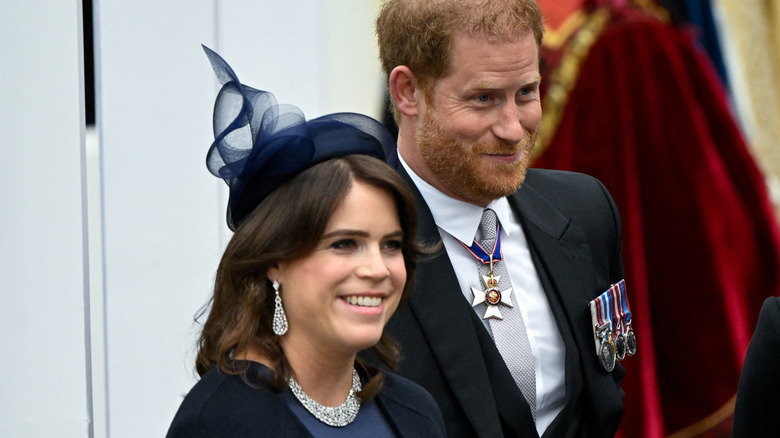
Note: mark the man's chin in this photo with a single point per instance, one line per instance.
(505, 179)
(509, 187)
(484, 194)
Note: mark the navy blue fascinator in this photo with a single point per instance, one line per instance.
(259, 144)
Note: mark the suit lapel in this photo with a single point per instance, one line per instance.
(562, 251)
(446, 320)
(560, 245)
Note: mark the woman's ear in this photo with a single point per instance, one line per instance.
(274, 273)
(404, 91)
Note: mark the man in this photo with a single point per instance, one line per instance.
(505, 344)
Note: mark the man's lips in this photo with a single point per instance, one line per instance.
(505, 157)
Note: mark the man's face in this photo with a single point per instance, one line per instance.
(475, 136)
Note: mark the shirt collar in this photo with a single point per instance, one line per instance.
(458, 218)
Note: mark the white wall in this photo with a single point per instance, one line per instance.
(161, 225)
(156, 216)
(45, 385)
(319, 55)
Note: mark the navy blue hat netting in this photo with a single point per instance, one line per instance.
(259, 144)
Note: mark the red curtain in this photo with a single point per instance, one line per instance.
(648, 117)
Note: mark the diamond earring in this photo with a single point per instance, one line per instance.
(280, 319)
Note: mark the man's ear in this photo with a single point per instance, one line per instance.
(404, 90)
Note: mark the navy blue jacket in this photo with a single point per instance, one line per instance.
(223, 405)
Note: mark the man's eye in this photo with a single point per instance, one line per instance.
(525, 91)
(483, 97)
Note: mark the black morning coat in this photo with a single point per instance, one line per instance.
(574, 233)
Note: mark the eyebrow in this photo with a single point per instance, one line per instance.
(482, 86)
(359, 233)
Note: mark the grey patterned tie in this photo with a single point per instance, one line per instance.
(506, 322)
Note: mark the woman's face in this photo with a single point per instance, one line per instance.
(339, 297)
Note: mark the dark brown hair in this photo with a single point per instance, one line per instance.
(286, 226)
(419, 33)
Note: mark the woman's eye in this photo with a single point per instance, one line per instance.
(343, 244)
(393, 245)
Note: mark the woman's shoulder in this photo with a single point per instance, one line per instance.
(220, 402)
(218, 386)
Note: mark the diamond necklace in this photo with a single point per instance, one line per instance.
(337, 416)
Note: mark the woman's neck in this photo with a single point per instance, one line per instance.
(327, 380)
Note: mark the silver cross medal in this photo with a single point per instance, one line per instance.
(492, 296)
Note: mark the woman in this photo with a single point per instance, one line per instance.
(322, 255)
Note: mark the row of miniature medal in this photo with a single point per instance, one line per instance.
(612, 332)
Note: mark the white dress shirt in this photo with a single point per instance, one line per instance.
(459, 221)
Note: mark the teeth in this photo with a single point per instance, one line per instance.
(363, 301)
